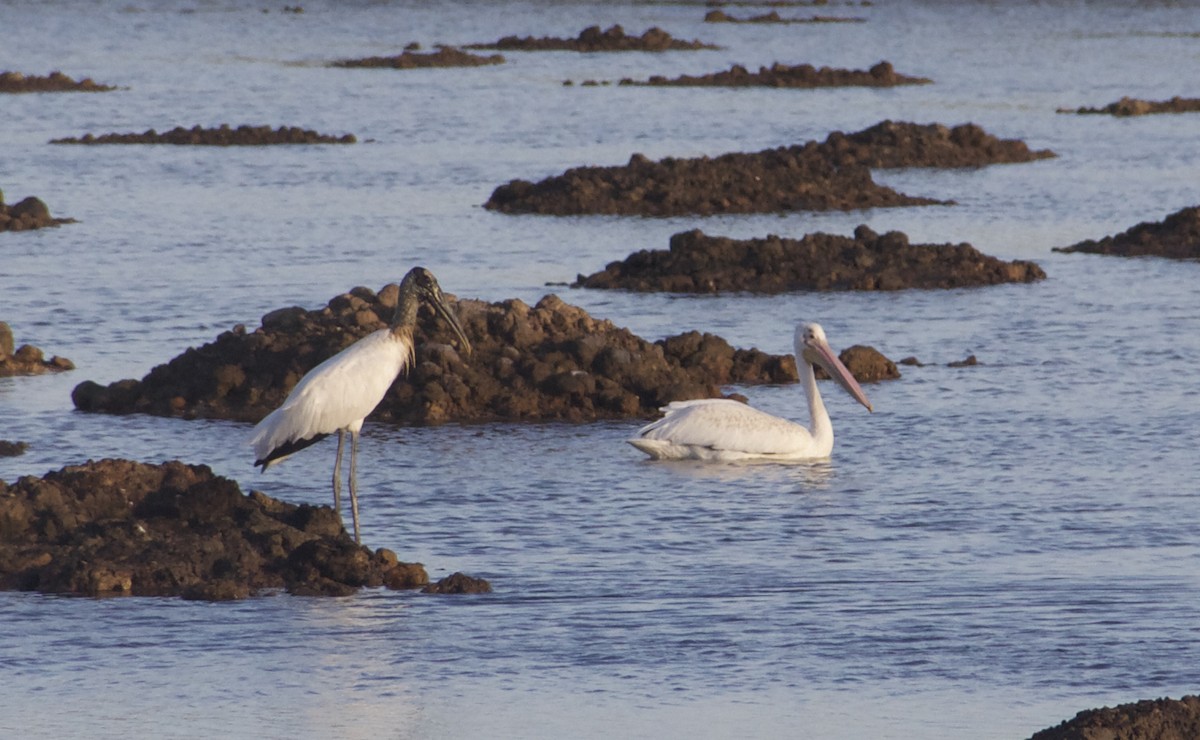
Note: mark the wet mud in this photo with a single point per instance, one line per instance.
(118, 527)
(223, 135)
(815, 176)
(699, 263)
(1177, 236)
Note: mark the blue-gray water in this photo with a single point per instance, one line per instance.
(993, 549)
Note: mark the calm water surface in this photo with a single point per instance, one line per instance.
(993, 549)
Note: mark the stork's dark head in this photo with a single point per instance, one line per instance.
(420, 285)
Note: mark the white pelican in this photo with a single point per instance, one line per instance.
(722, 429)
(337, 395)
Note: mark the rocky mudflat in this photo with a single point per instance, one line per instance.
(26, 359)
(1135, 107)
(412, 59)
(1149, 719)
(27, 214)
(118, 527)
(223, 135)
(799, 76)
(551, 361)
(720, 16)
(815, 176)
(1177, 236)
(592, 38)
(699, 263)
(16, 82)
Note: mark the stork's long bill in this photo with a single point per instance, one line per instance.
(818, 352)
(443, 310)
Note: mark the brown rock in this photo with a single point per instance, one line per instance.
(1134, 107)
(223, 135)
(458, 583)
(1177, 236)
(592, 38)
(783, 76)
(15, 82)
(1149, 719)
(122, 527)
(444, 57)
(29, 213)
(698, 263)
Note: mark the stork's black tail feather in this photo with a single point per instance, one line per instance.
(289, 448)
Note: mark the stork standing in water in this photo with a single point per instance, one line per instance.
(722, 429)
(337, 395)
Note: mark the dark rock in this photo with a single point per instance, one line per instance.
(720, 16)
(698, 263)
(783, 76)
(12, 449)
(1177, 236)
(831, 175)
(459, 583)
(1134, 107)
(969, 361)
(15, 82)
(1149, 719)
(551, 361)
(122, 527)
(444, 57)
(29, 213)
(26, 359)
(593, 39)
(223, 135)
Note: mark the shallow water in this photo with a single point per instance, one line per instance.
(995, 548)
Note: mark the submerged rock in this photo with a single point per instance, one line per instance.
(698, 263)
(1134, 107)
(551, 361)
(720, 16)
(1149, 719)
(1177, 236)
(26, 359)
(784, 76)
(15, 82)
(12, 449)
(124, 527)
(816, 176)
(458, 583)
(443, 57)
(223, 135)
(592, 38)
(27, 214)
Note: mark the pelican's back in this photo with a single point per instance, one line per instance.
(722, 429)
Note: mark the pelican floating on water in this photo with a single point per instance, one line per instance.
(722, 429)
(337, 395)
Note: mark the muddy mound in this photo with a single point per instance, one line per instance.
(797, 76)
(1135, 107)
(1177, 236)
(815, 176)
(593, 39)
(892, 144)
(720, 16)
(223, 135)
(1149, 719)
(698, 263)
(29, 213)
(123, 527)
(443, 57)
(15, 82)
(550, 361)
(26, 359)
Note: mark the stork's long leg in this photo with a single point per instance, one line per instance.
(354, 483)
(337, 474)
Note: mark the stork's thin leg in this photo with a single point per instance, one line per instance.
(337, 474)
(354, 483)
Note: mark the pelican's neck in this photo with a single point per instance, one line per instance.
(819, 424)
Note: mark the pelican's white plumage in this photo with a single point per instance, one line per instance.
(338, 394)
(726, 430)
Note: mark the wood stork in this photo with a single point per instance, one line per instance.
(723, 429)
(337, 395)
